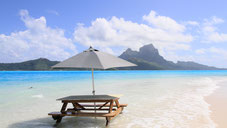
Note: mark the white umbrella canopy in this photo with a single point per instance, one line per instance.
(93, 59)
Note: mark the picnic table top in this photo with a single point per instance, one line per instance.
(89, 98)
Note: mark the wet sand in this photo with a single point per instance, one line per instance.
(218, 105)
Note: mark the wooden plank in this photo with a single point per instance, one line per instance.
(115, 114)
(118, 111)
(64, 107)
(88, 98)
(72, 109)
(108, 119)
(111, 107)
(75, 107)
(77, 104)
(117, 103)
(98, 105)
(83, 114)
(103, 105)
(104, 100)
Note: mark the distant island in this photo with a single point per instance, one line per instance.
(147, 58)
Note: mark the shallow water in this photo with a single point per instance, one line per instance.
(159, 99)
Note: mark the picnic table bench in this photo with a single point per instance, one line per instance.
(89, 106)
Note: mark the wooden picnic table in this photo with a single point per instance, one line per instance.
(89, 106)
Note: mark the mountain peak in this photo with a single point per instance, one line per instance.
(151, 54)
(148, 57)
(128, 50)
(149, 49)
(148, 53)
(44, 59)
(128, 53)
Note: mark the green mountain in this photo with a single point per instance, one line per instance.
(38, 64)
(147, 58)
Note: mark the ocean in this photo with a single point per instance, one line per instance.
(156, 99)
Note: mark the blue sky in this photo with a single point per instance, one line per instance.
(56, 29)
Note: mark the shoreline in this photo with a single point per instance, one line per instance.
(218, 105)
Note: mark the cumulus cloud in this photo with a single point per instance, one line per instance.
(210, 31)
(193, 23)
(216, 51)
(108, 33)
(38, 40)
(114, 35)
(212, 56)
(217, 37)
(168, 35)
(213, 20)
(163, 22)
(173, 56)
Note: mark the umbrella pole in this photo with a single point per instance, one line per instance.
(93, 83)
(93, 86)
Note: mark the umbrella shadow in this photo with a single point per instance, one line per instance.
(67, 122)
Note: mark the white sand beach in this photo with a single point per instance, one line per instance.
(218, 105)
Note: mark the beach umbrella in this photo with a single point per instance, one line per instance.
(93, 59)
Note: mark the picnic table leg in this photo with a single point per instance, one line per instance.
(63, 108)
(118, 105)
(75, 108)
(55, 117)
(111, 107)
(107, 120)
(110, 110)
(59, 119)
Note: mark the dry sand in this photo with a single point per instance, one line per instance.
(218, 102)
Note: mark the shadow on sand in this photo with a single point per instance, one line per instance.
(67, 122)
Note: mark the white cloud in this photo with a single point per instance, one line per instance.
(105, 33)
(217, 37)
(173, 56)
(200, 51)
(212, 56)
(218, 51)
(163, 22)
(210, 31)
(38, 40)
(115, 35)
(213, 20)
(165, 33)
(214, 51)
(193, 23)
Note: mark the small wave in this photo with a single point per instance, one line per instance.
(184, 108)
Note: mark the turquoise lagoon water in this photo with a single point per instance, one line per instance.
(159, 99)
